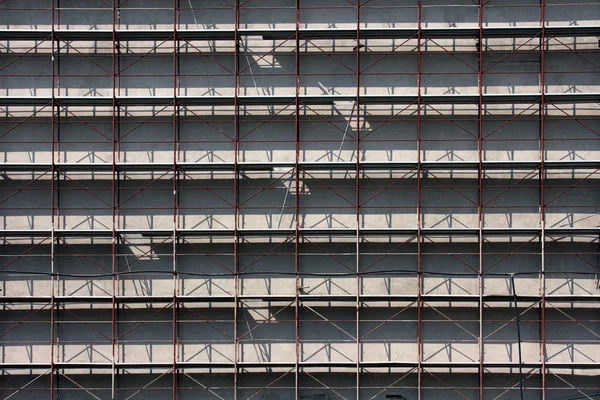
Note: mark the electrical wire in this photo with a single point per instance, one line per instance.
(585, 396)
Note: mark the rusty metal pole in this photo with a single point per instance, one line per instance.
(52, 201)
(236, 173)
(480, 173)
(113, 199)
(542, 180)
(419, 221)
(297, 210)
(175, 196)
(357, 199)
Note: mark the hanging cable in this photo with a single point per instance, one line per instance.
(598, 265)
(585, 396)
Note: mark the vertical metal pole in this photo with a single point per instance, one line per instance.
(419, 222)
(297, 206)
(357, 199)
(114, 246)
(542, 111)
(480, 194)
(175, 197)
(52, 218)
(236, 135)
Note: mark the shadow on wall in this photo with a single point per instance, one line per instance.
(323, 203)
(210, 139)
(267, 334)
(146, 269)
(442, 74)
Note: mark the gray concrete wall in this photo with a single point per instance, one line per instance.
(76, 258)
(312, 386)
(274, 74)
(385, 136)
(83, 334)
(324, 202)
(138, 14)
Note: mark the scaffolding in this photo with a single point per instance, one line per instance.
(254, 199)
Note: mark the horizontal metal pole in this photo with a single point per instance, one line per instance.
(312, 166)
(462, 298)
(369, 364)
(515, 98)
(283, 34)
(318, 232)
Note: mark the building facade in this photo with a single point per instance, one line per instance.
(300, 199)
